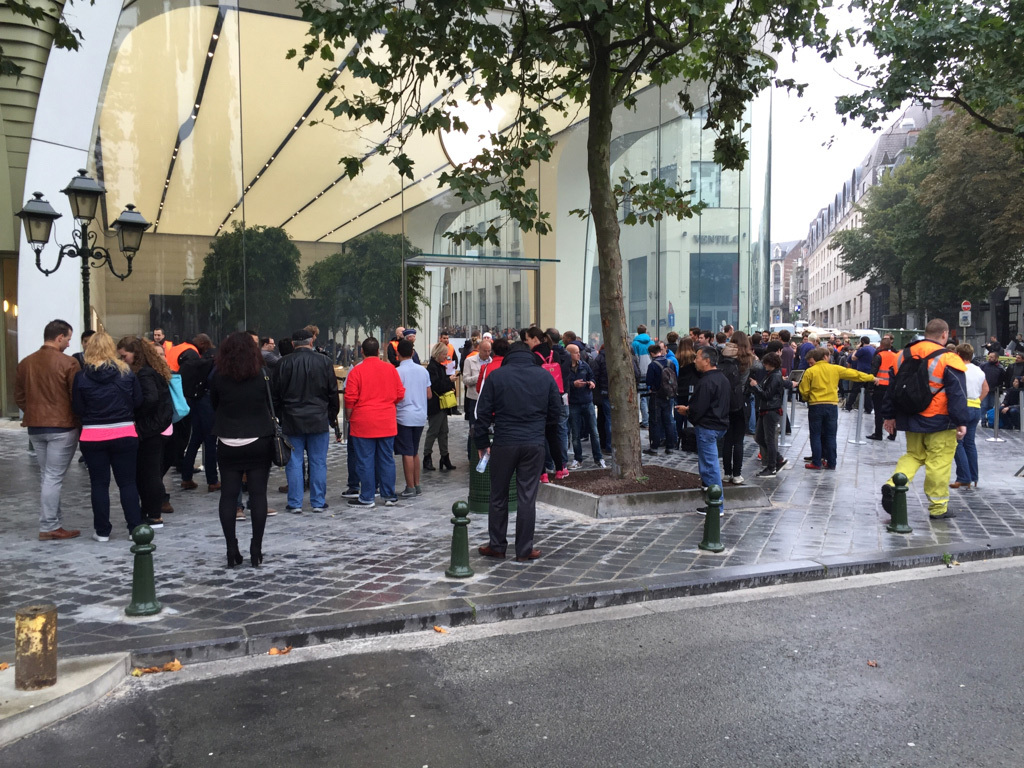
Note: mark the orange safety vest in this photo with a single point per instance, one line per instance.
(174, 353)
(939, 405)
(888, 362)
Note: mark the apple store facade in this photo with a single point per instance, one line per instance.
(189, 110)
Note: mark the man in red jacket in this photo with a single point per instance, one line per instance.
(372, 390)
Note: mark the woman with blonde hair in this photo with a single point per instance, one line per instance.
(152, 422)
(105, 395)
(437, 417)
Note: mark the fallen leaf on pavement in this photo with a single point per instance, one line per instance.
(170, 666)
(4, 665)
(279, 651)
(872, 663)
(442, 630)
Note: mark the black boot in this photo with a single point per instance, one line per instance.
(428, 464)
(255, 554)
(445, 463)
(234, 556)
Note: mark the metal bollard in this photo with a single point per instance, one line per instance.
(144, 602)
(35, 647)
(858, 439)
(787, 420)
(792, 409)
(898, 523)
(712, 541)
(995, 419)
(459, 567)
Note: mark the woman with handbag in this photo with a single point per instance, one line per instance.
(443, 388)
(244, 426)
(105, 395)
(152, 422)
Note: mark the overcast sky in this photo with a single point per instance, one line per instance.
(813, 153)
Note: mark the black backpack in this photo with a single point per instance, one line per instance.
(911, 391)
(669, 386)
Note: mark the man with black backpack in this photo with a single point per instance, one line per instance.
(927, 399)
(663, 384)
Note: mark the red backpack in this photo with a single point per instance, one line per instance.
(553, 368)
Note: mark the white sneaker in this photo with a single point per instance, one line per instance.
(737, 479)
(575, 465)
(727, 479)
(97, 537)
(602, 464)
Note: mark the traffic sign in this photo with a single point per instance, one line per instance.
(965, 318)
(965, 306)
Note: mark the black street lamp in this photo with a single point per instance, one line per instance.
(84, 194)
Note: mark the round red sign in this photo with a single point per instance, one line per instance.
(965, 306)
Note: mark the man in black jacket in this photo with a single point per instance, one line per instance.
(708, 411)
(522, 402)
(306, 400)
(769, 396)
(545, 348)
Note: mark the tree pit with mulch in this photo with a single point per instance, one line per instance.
(601, 482)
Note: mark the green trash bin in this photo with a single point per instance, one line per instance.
(480, 491)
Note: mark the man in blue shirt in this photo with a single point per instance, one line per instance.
(411, 414)
(861, 361)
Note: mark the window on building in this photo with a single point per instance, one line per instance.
(706, 179)
(481, 294)
(497, 305)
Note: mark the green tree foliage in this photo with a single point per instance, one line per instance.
(966, 53)
(556, 59)
(64, 35)
(946, 225)
(249, 277)
(363, 285)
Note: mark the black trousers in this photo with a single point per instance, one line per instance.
(253, 461)
(528, 462)
(877, 396)
(149, 474)
(732, 443)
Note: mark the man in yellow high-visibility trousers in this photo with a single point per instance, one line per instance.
(933, 431)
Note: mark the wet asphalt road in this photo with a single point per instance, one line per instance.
(778, 677)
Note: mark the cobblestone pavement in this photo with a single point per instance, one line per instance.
(348, 559)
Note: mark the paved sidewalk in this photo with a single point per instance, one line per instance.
(349, 571)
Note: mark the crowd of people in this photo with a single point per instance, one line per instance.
(140, 407)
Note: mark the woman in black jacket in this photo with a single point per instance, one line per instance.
(105, 395)
(437, 419)
(152, 421)
(244, 429)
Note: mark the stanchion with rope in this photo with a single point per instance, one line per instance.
(858, 439)
(785, 423)
(995, 420)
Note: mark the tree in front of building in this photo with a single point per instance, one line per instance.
(410, 66)
(40, 14)
(249, 277)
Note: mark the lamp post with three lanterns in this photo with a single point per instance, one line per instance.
(84, 194)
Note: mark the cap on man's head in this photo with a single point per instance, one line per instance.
(302, 335)
(409, 332)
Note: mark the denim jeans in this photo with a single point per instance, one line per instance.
(707, 455)
(823, 421)
(202, 434)
(966, 456)
(988, 402)
(662, 424)
(563, 442)
(120, 455)
(314, 445)
(584, 423)
(54, 451)
(375, 464)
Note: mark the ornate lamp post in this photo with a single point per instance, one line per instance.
(84, 194)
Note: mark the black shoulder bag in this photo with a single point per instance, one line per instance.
(282, 448)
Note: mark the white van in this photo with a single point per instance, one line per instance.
(776, 327)
(857, 333)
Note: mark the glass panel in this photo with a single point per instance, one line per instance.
(9, 286)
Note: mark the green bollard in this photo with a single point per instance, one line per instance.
(144, 602)
(713, 521)
(459, 568)
(898, 523)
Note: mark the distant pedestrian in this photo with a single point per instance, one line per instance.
(769, 399)
(441, 382)
(966, 456)
(708, 411)
(522, 402)
(581, 409)
(882, 365)
(196, 366)
(42, 389)
(819, 387)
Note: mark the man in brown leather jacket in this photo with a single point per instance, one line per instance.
(42, 390)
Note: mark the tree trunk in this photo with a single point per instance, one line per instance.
(603, 210)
